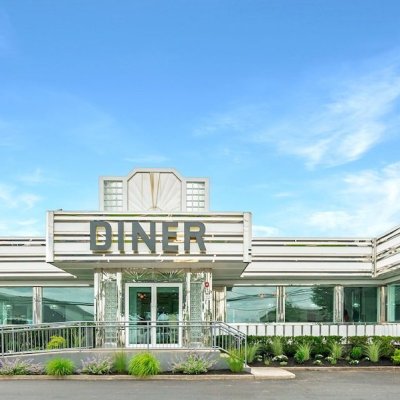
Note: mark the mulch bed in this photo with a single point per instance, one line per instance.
(340, 363)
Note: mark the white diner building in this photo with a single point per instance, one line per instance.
(155, 252)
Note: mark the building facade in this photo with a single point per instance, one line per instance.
(155, 252)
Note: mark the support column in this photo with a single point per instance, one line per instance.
(338, 304)
(382, 306)
(219, 300)
(37, 314)
(280, 304)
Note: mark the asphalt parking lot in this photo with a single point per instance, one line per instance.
(308, 385)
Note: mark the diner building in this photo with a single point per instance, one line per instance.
(154, 251)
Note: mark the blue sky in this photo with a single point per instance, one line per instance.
(291, 108)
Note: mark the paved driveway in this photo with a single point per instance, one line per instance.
(308, 385)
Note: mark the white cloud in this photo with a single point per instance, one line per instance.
(11, 199)
(367, 204)
(33, 178)
(334, 125)
(265, 231)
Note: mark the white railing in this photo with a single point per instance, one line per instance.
(319, 329)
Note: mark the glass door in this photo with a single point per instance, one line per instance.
(168, 310)
(140, 313)
(153, 311)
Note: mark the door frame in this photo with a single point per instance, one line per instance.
(153, 309)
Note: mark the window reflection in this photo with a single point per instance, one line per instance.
(68, 304)
(251, 304)
(309, 304)
(360, 304)
(16, 305)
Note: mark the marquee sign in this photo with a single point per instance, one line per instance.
(192, 231)
(130, 239)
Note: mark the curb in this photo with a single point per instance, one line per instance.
(127, 377)
(330, 369)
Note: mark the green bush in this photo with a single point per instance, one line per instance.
(251, 351)
(144, 364)
(396, 357)
(194, 364)
(96, 366)
(358, 341)
(373, 351)
(60, 366)
(56, 342)
(120, 362)
(336, 351)
(276, 346)
(356, 353)
(386, 345)
(303, 353)
(235, 361)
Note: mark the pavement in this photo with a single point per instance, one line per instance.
(309, 385)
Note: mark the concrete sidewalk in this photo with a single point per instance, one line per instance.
(255, 374)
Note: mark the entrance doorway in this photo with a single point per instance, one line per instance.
(154, 313)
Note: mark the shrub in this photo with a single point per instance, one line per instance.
(251, 352)
(373, 351)
(56, 342)
(356, 353)
(20, 367)
(396, 357)
(357, 341)
(60, 366)
(144, 364)
(303, 353)
(283, 363)
(96, 366)
(235, 361)
(318, 362)
(276, 346)
(119, 362)
(386, 345)
(193, 364)
(336, 350)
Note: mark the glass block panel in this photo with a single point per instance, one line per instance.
(113, 195)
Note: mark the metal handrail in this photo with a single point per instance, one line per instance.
(79, 335)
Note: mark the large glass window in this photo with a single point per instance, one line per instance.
(308, 304)
(251, 304)
(16, 305)
(394, 303)
(360, 304)
(68, 304)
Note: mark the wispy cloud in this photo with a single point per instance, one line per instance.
(338, 123)
(345, 128)
(33, 178)
(10, 198)
(367, 204)
(265, 231)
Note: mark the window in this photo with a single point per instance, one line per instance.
(16, 305)
(68, 304)
(309, 304)
(195, 196)
(360, 304)
(251, 304)
(113, 195)
(394, 303)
